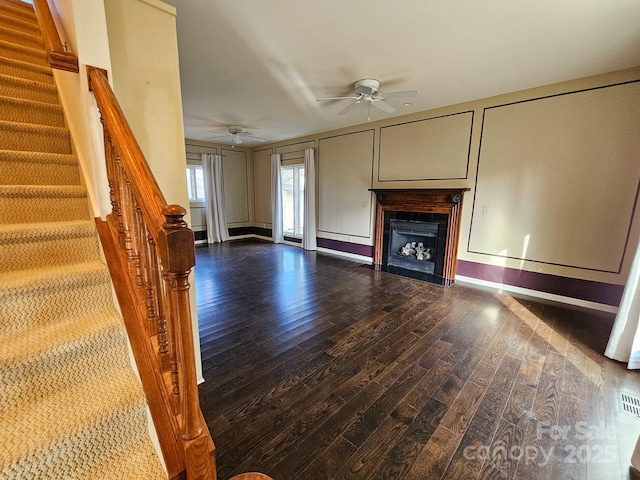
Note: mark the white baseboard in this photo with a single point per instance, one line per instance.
(537, 294)
(351, 256)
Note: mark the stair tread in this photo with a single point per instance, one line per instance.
(43, 70)
(32, 344)
(59, 275)
(32, 128)
(18, 3)
(38, 53)
(46, 191)
(8, 11)
(19, 11)
(48, 89)
(38, 157)
(31, 112)
(26, 246)
(29, 232)
(27, 103)
(40, 360)
(29, 37)
(138, 461)
(84, 413)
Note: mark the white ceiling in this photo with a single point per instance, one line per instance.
(262, 64)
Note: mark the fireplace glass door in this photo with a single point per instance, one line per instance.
(412, 245)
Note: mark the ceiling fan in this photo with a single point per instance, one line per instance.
(366, 91)
(237, 133)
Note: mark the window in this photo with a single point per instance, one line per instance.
(292, 200)
(195, 183)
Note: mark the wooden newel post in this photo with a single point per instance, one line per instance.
(177, 256)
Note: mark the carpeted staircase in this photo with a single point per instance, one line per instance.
(70, 403)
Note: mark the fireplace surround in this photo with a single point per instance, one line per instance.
(417, 232)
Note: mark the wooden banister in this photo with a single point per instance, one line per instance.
(58, 56)
(155, 254)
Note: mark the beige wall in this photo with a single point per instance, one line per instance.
(344, 176)
(148, 90)
(556, 188)
(557, 179)
(148, 86)
(84, 27)
(235, 170)
(262, 187)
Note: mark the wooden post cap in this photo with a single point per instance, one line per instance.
(173, 215)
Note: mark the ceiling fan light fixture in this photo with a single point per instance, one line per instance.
(367, 86)
(366, 90)
(237, 134)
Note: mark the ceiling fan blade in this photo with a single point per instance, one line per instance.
(250, 136)
(348, 108)
(335, 98)
(384, 106)
(407, 94)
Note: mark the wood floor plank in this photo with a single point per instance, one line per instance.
(546, 405)
(463, 408)
(505, 452)
(518, 409)
(364, 426)
(327, 464)
(463, 369)
(365, 461)
(436, 455)
(405, 452)
(316, 367)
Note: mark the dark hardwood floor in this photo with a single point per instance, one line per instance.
(319, 368)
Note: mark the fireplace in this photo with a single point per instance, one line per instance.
(417, 233)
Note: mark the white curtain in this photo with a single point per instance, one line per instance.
(309, 218)
(624, 342)
(214, 192)
(276, 199)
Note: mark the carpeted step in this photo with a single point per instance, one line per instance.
(24, 11)
(42, 360)
(34, 138)
(17, 68)
(93, 421)
(17, 3)
(37, 56)
(30, 111)
(20, 38)
(38, 168)
(18, 22)
(137, 461)
(33, 245)
(28, 90)
(42, 203)
(45, 295)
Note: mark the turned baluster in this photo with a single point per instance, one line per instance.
(177, 254)
(111, 172)
(125, 208)
(147, 291)
(157, 294)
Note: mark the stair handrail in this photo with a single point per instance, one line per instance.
(157, 251)
(59, 57)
